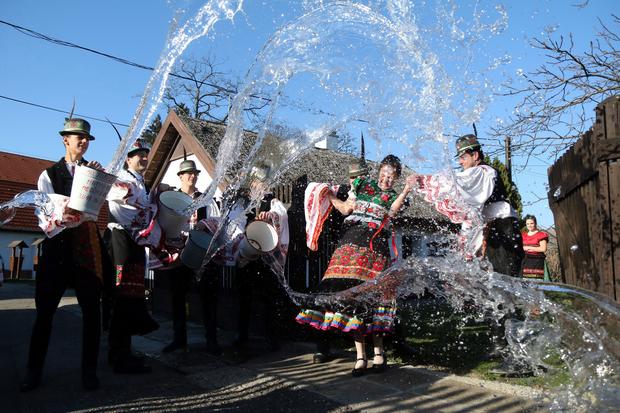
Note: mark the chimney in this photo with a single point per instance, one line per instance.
(329, 142)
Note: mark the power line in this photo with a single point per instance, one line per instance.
(225, 91)
(60, 110)
(41, 36)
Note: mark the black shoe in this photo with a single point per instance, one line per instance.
(90, 381)
(131, 365)
(213, 348)
(358, 372)
(32, 380)
(379, 367)
(175, 345)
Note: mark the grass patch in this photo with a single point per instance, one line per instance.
(431, 333)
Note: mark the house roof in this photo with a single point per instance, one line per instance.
(21, 169)
(202, 138)
(20, 173)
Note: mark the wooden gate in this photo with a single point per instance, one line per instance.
(584, 196)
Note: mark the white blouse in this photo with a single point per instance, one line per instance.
(129, 202)
(44, 184)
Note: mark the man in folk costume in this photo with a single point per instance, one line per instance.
(131, 210)
(181, 277)
(482, 192)
(258, 277)
(489, 222)
(73, 257)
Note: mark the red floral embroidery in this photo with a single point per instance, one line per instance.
(385, 197)
(372, 225)
(345, 260)
(377, 266)
(362, 261)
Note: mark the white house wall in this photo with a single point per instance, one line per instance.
(204, 179)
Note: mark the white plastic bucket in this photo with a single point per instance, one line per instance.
(89, 189)
(195, 248)
(171, 207)
(260, 237)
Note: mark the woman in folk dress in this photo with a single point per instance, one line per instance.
(535, 247)
(363, 252)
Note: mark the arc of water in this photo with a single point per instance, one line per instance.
(179, 39)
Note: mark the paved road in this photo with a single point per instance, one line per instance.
(256, 380)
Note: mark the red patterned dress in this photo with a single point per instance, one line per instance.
(363, 252)
(534, 262)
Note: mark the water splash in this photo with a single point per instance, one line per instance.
(375, 65)
(405, 95)
(36, 199)
(180, 37)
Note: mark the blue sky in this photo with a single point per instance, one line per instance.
(51, 75)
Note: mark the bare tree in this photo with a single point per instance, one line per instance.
(558, 97)
(203, 92)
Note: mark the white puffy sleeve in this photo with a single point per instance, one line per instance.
(44, 184)
(476, 184)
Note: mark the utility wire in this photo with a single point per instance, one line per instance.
(59, 110)
(225, 91)
(37, 35)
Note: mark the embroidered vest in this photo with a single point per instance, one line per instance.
(79, 246)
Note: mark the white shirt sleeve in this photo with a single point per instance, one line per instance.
(476, 184)
(44, 184)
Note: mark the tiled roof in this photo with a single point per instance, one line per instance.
(21, 169)
(19, 173)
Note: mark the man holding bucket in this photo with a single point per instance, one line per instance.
(181, 277)
(73, 258)
(131, 210)
(256, 277)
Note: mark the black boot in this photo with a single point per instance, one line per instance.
(32, 380)
(131, 364)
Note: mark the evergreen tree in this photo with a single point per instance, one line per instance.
(514, 197)
(150, 133)
(182, 109)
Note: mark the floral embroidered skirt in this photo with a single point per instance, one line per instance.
(362, 254)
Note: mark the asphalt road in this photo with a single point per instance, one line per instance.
(254, 380)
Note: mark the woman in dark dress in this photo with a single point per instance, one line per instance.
(364, 251)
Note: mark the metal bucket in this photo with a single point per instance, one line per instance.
(172, 205)
(195, 248)
(260, 237)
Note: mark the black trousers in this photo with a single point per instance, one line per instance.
(180, 282)
(51, 284)
(505, 246)
(130, 315)
(257, 280)
(210, 277)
